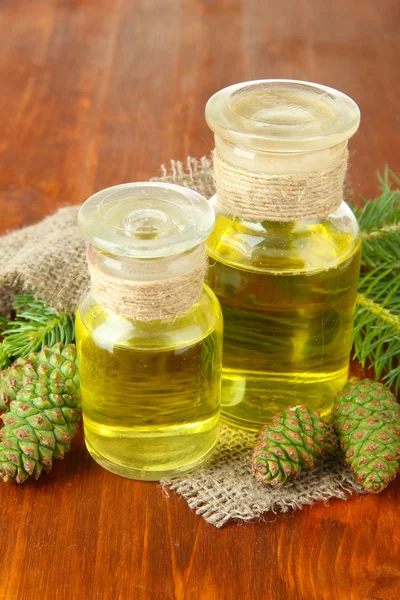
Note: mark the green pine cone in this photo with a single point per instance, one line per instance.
(38, 428)
(55, 362)
(366, 418)
(289, 445)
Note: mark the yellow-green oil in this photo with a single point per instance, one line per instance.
(288, 293)
(150, 391)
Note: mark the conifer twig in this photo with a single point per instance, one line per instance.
(377, 319)
(35, 325)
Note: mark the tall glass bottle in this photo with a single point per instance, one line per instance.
(149, 334)
(285, 251)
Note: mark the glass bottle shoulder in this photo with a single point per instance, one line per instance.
(109, 329)
(292, 247)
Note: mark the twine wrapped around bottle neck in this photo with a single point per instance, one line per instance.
(257, 196)
(147, 300)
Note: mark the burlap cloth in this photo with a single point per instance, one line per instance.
(49, 259)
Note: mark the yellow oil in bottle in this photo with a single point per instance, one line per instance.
(288, 293)
(150, 391)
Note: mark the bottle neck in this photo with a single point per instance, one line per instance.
(276, 163)
(147, 289)
(262, 186)
(147, 269)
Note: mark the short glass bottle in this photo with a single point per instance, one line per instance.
(285, 251)
(149, 334)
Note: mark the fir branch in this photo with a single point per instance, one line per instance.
(379, 221)
(377, 339)
(377, 319)
(383, 211)
(35, 326)
(381, 246)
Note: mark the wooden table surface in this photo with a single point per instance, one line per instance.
(99, 92)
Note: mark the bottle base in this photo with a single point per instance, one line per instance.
(251, 399)
(153, 472)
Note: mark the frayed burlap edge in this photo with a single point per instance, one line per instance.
(224, 489)
(194, 174)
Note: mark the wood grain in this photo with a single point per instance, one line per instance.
(98, 93)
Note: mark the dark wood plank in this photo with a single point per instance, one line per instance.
(99, 93)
